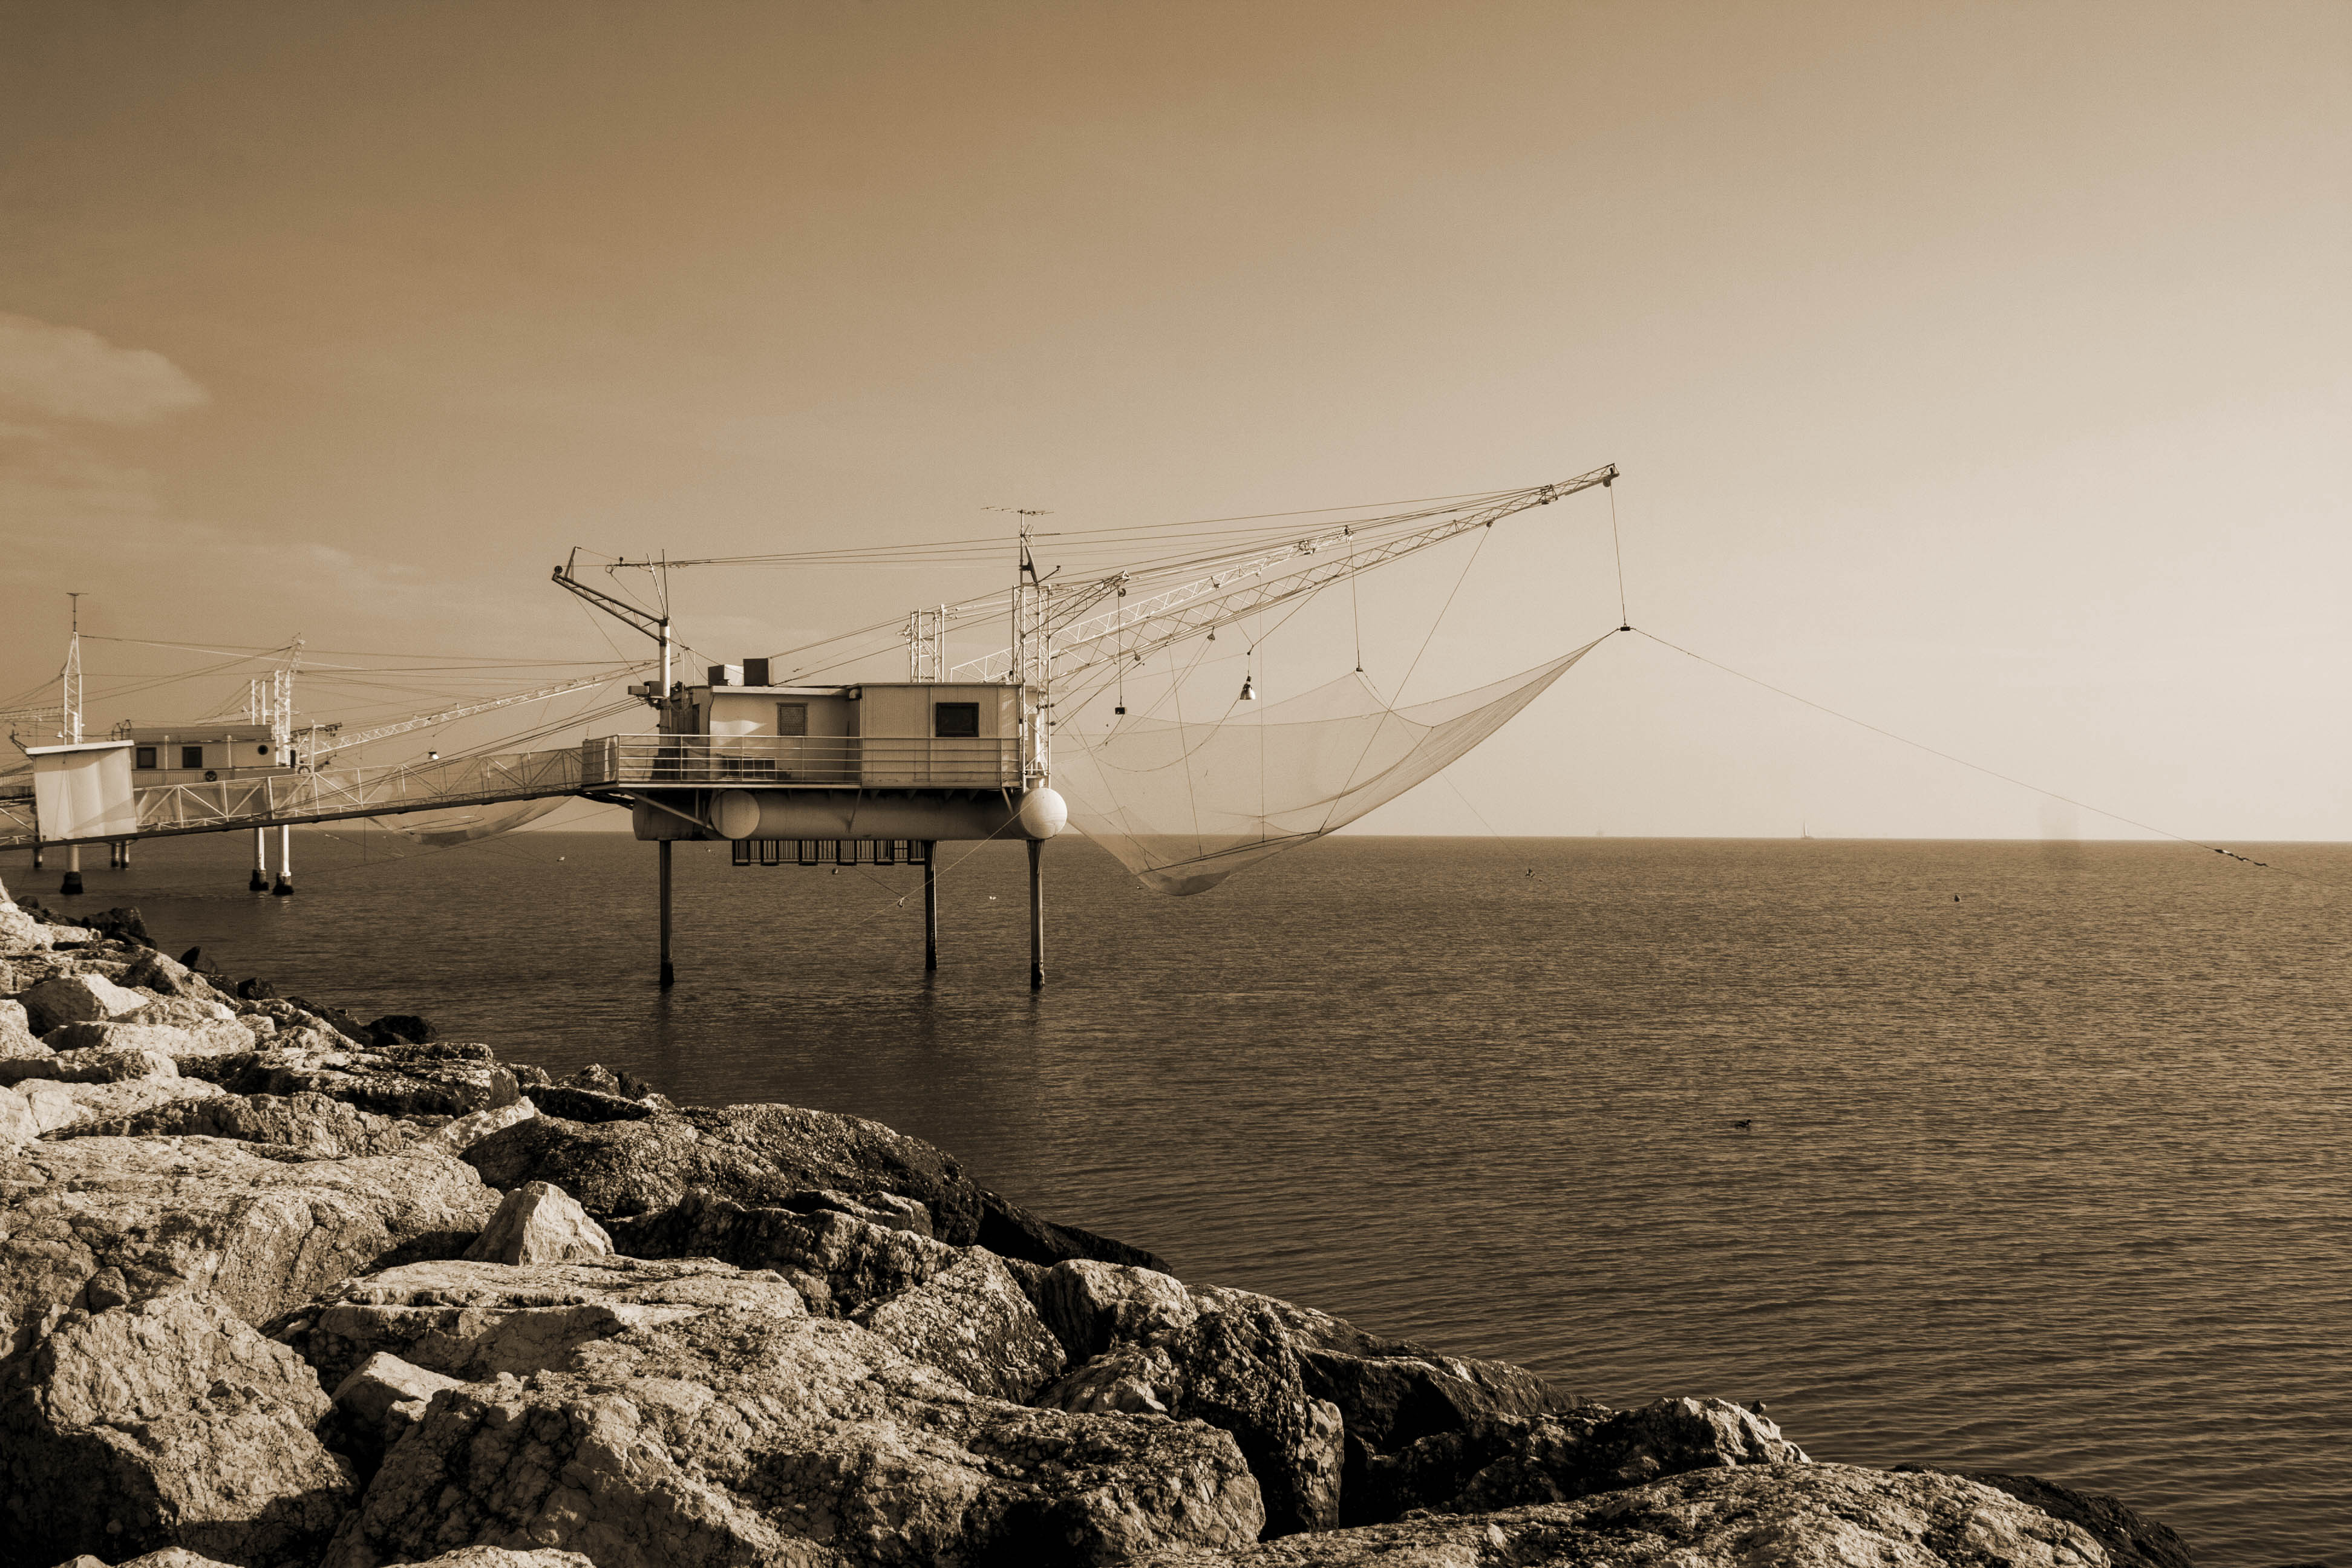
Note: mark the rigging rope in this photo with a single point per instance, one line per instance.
(1989, 772)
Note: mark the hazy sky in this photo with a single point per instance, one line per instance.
(1983, 370)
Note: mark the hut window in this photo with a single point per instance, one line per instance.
(192, 757)
(145, 759)
(955, 719)
(791, 718)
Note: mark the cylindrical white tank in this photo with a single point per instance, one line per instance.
(849, 813)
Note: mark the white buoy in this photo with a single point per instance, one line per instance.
(1043, 813)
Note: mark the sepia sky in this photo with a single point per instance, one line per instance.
(1982, 370)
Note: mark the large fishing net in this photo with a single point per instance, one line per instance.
(1185, 806)
(469, 824)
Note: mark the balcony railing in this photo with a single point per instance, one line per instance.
(786, 761)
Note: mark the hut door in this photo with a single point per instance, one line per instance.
(792, 745)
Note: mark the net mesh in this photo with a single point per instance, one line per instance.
(469, 824)
(1183, 807)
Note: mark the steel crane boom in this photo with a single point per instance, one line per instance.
(342, 742)
(1232, 590)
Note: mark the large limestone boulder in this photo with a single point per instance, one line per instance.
(20, 932)
(17, 1036)
(61, 1106)
(1091, 1305)
(1795, 1516)
(1315, 1403)
(118, 1062)
(460, 1133)
(165, 1423)
(172, 1214)
(1237, 1368)
(446, 1080)
(379, 1403)
(474, 1320)
(18, 1124)
(169, 977)
(763, 1156)
(839, 1261)
(77, 1040)
(310, 1126)
(78, 999)
(974, 1322)
(1510, 1461)
(2132, 1540)
(742, 1436)
(538, 1223)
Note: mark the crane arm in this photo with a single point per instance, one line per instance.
(1241, 588)
(426, 720)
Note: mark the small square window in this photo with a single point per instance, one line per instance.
(955, 719)
(192, 757)
(145, 759)
(791, 718)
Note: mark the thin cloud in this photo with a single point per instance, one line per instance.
(74, 374)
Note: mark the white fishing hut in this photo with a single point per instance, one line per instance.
(876, 772)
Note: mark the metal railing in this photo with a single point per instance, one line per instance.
(817, 761)
(262, 801)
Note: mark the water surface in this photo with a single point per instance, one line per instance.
(2045, 1162)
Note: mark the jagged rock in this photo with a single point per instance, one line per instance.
(166, 1423)
(972, 1321)
(77, 999)
(538, 1223)
(460, 1133)
(1394, 1393)
(507, 1557)
(378, 1404)
(23, 1058)
(18, 1124)
(118, 924)
(738, 1436)
(399, 1080)
(61, 1106)
(839, 1262)
(309, 1125)
(20, 931)
(1235, 1368)
(763, 1155)
(475, 1320)
(118, 1058)
(200, 1213)
(587, 1105)
(400, 1028)
(170, 977)
(1511, 1462)
(169, 1557)
(2132, 1540)
(17, 1036)
(1090, 1305)
(1795, 1516)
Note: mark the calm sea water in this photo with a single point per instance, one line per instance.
(2047, 1148)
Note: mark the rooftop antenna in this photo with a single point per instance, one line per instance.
(71, 696)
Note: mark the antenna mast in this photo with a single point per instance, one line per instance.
(71, 696)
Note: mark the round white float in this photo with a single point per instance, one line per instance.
(1043, 814)
(735, 812)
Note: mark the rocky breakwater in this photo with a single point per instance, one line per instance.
(278, 1287)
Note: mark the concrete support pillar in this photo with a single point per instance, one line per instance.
(260, 879)
(72, 884)
(39, 858)
(285, 888)
(668, 975)
(1036, 914)
(932, 905)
